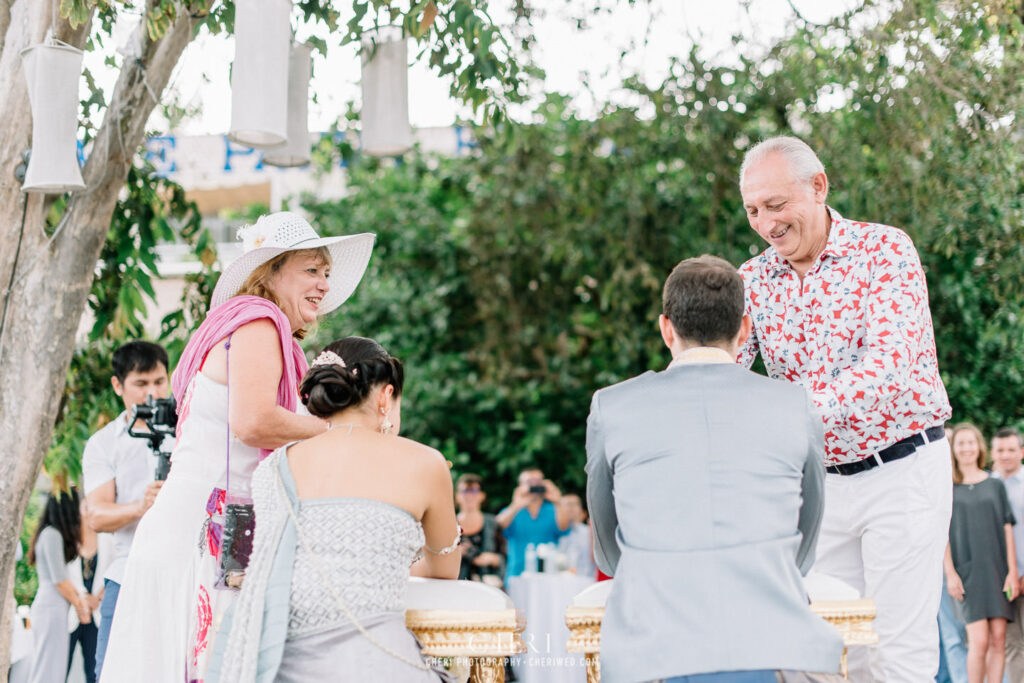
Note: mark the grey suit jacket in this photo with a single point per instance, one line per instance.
(705, 487)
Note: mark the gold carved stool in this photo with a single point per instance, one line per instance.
(465, 622)
(851, 615)
(585, 636)
(853, 620)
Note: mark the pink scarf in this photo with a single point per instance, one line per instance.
(222, 321)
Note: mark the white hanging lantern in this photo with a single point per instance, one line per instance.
(296, 151)
(385, 84)
(259, 75)
(52, 72)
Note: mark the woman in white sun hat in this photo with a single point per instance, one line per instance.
(237, 390)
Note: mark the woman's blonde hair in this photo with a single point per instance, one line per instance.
(958, 476)
(257, 284)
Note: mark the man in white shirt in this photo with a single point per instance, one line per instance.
(118, 469)
(1006, 461)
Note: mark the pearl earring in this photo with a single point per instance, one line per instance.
(386, 426)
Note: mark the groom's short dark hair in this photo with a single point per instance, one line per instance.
(703, 298)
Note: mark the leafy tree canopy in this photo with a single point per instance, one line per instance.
(518, 280)
(458, 38)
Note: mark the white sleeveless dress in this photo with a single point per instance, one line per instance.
(157, 634)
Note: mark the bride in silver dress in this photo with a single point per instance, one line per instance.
(340, 518)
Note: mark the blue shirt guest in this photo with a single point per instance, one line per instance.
(533, 517)
(705, 493)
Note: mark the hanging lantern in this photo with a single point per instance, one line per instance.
(296, 151)
(385, 83)
(259, 75)
(52, 71)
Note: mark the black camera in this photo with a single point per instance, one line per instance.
(539, 489)
(161, 418)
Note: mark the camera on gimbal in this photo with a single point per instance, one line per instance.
(161, 417)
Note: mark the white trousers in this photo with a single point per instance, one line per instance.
(884, 532)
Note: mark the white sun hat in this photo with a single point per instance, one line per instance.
(277, 233)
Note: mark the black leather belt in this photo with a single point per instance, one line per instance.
(900, 449)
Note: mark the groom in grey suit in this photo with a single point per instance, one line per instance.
(705, 489)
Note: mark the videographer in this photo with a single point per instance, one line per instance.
(534, 517)
(118, 470)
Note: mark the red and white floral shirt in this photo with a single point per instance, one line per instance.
(856, 334)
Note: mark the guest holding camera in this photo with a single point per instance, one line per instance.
(342, 516)
(53, 547)
(980, 562)
(483, 544)
(236, 388)
(534, 517)
(117, 470)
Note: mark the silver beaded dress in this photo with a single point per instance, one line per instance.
(345, 555)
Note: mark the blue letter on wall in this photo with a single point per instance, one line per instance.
(156, 152)
(231, 150)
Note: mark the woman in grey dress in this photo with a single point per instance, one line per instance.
(54, 545)
(980, 563)
(340, 518)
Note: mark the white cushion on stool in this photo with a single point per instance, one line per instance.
(594, 596)
(444, 594)
(825, 588)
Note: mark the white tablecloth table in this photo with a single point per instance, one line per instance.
(543, 599)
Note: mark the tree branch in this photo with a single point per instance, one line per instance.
(144, 75)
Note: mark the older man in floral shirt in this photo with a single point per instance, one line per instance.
(841, 308)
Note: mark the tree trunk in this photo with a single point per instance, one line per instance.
(52, 283)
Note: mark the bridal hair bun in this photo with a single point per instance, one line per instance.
(328, 389)
(344, 373)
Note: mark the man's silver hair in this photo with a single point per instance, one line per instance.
(802, 159)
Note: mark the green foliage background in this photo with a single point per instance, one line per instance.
(516, 281)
